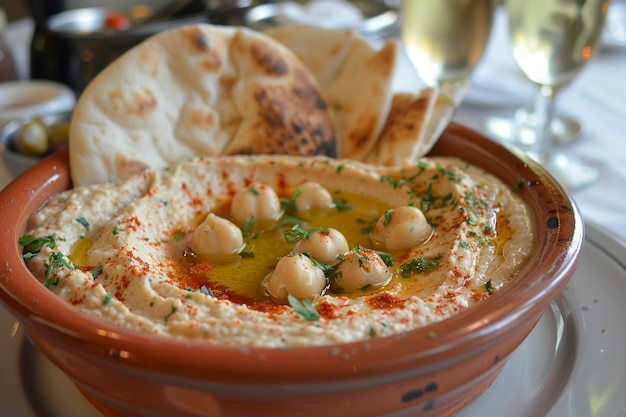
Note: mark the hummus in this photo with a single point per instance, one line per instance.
(169, 252)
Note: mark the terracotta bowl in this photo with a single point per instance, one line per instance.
(124, 373)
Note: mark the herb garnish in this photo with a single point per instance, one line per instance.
(247, 230)
(326, 268)
(107, 299)
(206, 291)
(32, 245)
(304, 308)
(395, 182)
(489, 287)
(465, 245)
(519, 183)
(291, 220)
(296, 233)
(96, 272)
(369, 225)
(450, 173)
(83, 221)
(289, 205)
(387, 217)
(167, 317)
(419, 265)
(386, 257)
(341, 204)
(54, 263)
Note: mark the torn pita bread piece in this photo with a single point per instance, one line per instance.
(197, 90)
(355, 78)
(402, 140)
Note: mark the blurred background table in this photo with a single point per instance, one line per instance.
(597, 99)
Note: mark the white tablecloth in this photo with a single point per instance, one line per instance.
(597, 98)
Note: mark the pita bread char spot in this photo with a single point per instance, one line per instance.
(281, 126)
(355, 78)
(201, 40)
(401, 141)
(269, 59)
(201, 90)
(140, 103)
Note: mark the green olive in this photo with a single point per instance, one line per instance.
(32, 138)
(58, 134)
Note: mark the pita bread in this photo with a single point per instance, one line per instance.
(401, 141)
(196, 90)
(355, 77)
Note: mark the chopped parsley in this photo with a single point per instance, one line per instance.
(206, 291)
(420, 264)
(386, 258)
(55, 262)
(83, 221)
(289, 205)
(326, 268)
(167, 317)
(489, 287)
(32, 245)
(387, 217)
(116, 230)
(340, 168)
(96, 272)
(254, 191)
(296, 233)
(304, 308)
(519, 183)
(369, 225)
(107, 299)
(341, 204)
(450, 173)
(247, 230)
(289, 219)
(394, 182)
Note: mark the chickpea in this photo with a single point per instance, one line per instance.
(401, 228)
(258, 204)
(216, 236)
(359, 269)
(295, 274)
(324, 245)
(313, 195)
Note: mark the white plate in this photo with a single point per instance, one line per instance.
(572, 364)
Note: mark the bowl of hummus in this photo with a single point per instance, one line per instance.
(143, 314)
(253, 240)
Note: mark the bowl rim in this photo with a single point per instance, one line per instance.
(559, 240)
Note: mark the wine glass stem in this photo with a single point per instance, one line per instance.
(544, 113)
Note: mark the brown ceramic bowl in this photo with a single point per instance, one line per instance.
(124, 373)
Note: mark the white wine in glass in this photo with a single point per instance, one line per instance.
(552, 41)
(445, 39)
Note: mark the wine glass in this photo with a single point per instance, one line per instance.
(552, 41)
(445, 39)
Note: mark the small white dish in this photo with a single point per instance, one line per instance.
(22, 99)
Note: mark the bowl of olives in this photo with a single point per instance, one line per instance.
(24, 142)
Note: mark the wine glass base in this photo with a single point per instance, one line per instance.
(518, 128)
(569, 172)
